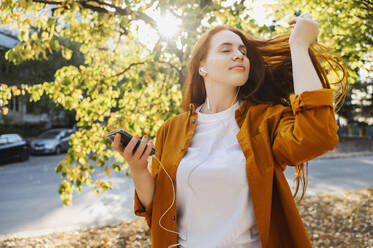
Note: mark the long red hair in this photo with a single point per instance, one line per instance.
(270, 77)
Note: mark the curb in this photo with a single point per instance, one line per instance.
(345, 155)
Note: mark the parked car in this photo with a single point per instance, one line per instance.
(13, 146)
(52, 141)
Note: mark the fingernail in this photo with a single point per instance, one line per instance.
(151, 142)
(137, 136)
(145, 136)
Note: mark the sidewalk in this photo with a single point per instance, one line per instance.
(324, 216)
(31, 205)
(336, 155)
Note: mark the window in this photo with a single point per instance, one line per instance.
(49, 135)
(3, 140)
(13, 138)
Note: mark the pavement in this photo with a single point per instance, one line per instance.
(336, 173)
(334, 155)
(30, 204)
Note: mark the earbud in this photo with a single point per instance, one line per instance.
(203, 69)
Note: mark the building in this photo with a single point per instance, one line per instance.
(18, 105)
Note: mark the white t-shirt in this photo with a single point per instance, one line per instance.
(213, 200)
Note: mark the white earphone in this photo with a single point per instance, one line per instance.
(203, 69)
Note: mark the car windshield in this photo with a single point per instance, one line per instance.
(48, 135)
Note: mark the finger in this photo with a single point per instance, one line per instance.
(147, 151)
(116, 142)
(141, 148)
(306, 16)
(292, 21)
(128, 151)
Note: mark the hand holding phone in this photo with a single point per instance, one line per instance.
(125, 140)
(134, 150)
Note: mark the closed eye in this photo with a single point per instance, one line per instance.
(225, 51)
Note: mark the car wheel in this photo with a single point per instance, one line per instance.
(58, 150)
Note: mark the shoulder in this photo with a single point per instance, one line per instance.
(175, 121)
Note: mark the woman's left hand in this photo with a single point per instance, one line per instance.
(305, 31)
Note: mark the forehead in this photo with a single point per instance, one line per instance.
(225, 36)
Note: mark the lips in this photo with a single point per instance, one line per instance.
(237, 67)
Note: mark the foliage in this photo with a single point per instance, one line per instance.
(358, 106)
(124, 81)
(36, 72)
(345, 26)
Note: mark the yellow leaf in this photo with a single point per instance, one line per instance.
(34, 36)
(5, 111)
(110, 184)
(107, 171)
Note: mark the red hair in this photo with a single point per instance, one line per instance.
(270, 77)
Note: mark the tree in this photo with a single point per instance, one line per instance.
(124, 82)
(345, 26)
(36, 72)
(359, 102)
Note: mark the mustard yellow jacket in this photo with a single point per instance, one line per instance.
(271, 137)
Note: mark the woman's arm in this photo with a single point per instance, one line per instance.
(145, 182)
(307, 130)
(304, 74)
(305, 32)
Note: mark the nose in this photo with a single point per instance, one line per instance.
(237, 54)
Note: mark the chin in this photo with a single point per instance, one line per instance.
(239, 81)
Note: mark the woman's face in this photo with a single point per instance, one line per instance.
(226, 62)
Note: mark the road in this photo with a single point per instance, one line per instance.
(30, 204)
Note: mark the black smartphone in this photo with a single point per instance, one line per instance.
(125, 139)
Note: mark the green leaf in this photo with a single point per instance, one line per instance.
(67, 53)
(58, 168)
(96, 191)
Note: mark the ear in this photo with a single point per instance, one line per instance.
(202, 71)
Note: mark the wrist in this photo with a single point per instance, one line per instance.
(298, 48)
(139, 171)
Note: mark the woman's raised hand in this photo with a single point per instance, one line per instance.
(305, 31)
(138, 160)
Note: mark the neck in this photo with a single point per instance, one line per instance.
(205, 110)
(219, 102)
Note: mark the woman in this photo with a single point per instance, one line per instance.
(251, 108)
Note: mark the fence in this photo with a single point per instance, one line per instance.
(355, 130)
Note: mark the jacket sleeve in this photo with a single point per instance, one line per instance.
(307, 130)
(154, 166)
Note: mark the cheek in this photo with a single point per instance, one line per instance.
(248, 65)
(247, 61)
(219, 64)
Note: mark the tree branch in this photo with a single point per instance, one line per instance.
(172, 65)
(126, 69)
(118, 10)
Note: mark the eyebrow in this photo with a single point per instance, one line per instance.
(230, 44)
